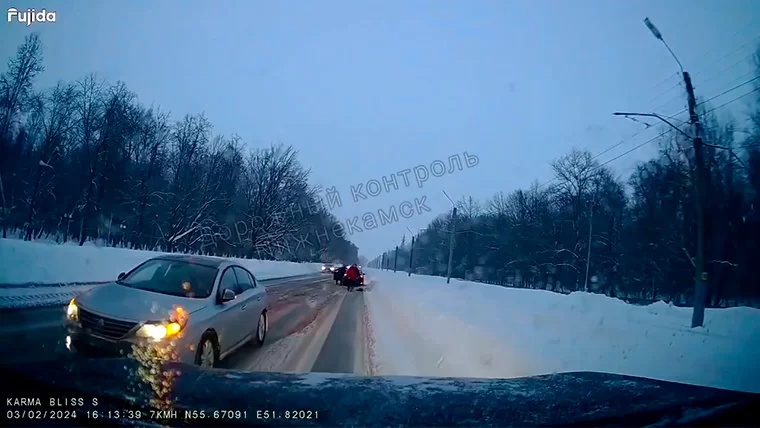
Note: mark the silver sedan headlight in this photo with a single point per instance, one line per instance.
(159, 331)
(72, 311)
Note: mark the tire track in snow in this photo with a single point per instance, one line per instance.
(290, 312)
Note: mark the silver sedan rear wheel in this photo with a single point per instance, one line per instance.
(262, 328)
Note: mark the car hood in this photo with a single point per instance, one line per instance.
(120, 301)
(580, 398)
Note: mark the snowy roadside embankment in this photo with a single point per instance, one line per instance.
(423, 326)
(36, 271)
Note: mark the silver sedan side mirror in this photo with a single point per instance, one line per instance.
(227, 295)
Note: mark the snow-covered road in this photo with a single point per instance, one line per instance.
(314, 325)
(422, 326)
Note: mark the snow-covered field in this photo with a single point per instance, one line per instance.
(423, 326)
(25, 263)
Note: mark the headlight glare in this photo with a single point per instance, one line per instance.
(72, 311)
(172, 329)
(159, 331)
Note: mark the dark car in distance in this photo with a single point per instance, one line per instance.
(338, 274)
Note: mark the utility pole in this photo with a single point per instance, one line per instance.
(382, 261)
(700, 275)
(110, 223)
(452, 242)
(411, 257)
(2, 208)
(588, 255)
(395, 259)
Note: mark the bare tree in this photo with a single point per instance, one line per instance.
(190, 138)
(15, 92)
(16, 82)
(53, 119)
(107, 127)
(148, 156)
(274, 183)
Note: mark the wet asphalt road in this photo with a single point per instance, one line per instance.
(314, 325)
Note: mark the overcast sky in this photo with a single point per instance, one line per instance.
(364, 89)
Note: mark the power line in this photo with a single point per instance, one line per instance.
(623, 141)
(709, 80)
(671, 130)
(753, 40)
(679, 83)
(713, 75)
(618, 144)
(633, 149)
(709, 54)
(714, 97)
(733, 100)
(659, 135)
(720, 73)
(674, 118)
(730, 90)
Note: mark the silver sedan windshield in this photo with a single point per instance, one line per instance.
(176, 278)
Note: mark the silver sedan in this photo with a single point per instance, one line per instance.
(181, 308)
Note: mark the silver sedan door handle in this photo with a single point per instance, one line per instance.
(258, 298)
(245, 306)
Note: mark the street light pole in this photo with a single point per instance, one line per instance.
(452, 242)
(411, 253)
(452, 239)
(700, 275)
(411, 257)
(588, 254)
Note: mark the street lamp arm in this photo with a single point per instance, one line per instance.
(656, 33)
(738, 159)
(658, 117)
(674, 55)
(447, 197)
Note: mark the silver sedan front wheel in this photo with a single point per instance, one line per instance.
(207, 355)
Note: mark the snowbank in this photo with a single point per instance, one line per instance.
(24, 263)
(423, 326)
(37, 297)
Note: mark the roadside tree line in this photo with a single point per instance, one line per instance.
(86, 160)
(641, 231)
